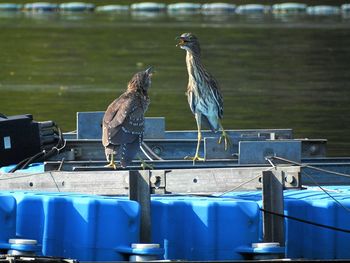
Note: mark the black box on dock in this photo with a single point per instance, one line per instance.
(19, 138)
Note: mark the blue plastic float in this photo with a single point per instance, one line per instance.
(148, 7)
(97, 228)
(112, 8)
(252, 9)
(289, 8)
(200, 228)
(84, 227)
(345, 8)
(7, 219)
(184, 8)
(77, 7)
(306, 240)
(218, 8)
(32, 168)
(41, 7)
(323, 10)
(10, 7)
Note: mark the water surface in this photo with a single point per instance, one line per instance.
(274, 71)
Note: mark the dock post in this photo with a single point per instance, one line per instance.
(273, 225)
(140, 191)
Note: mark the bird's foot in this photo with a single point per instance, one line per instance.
(226, 138)
(111, 165)
(145, 166)
(194, 158)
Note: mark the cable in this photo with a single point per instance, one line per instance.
(314, 181)
(31, 175)
(325, 191)
(238, 186)
(26, 162)
(145, 153)
(303, 220)
(43, 155)
(53, 179)
(248, 181)
(306, 221)
(151, 151)
(22, 176)
(309, 166)
(61, 164)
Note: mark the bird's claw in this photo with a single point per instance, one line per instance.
(111, 165)
(227, 140)
(194, 158)
(145, 166)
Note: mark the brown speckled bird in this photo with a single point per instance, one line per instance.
(203, 93)
(123, 121)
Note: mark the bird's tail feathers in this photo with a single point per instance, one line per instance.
(207, 124)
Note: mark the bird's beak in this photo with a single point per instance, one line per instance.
(181, 41)
(149, 71)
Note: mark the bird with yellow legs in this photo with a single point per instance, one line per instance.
(203, 93)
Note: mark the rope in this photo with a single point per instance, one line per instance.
(306, 221)
(325, 191)
(309, 166)
(53, 179)
(240, 185)
(313, 180)
(249, 180)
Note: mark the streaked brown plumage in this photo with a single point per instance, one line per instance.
(123, 121)
(203, 93)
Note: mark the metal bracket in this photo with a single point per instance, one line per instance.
(255, 152)
(273, 226)
(158, 181)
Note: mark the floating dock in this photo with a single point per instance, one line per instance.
(257, 200)
(181, 8)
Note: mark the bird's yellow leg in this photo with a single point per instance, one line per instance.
(196, 156)
(224, 136)
(112, 163)
(144, 165)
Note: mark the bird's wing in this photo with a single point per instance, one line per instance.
(191, 101)
(215, 91)
(115, 116)
(117, 111)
